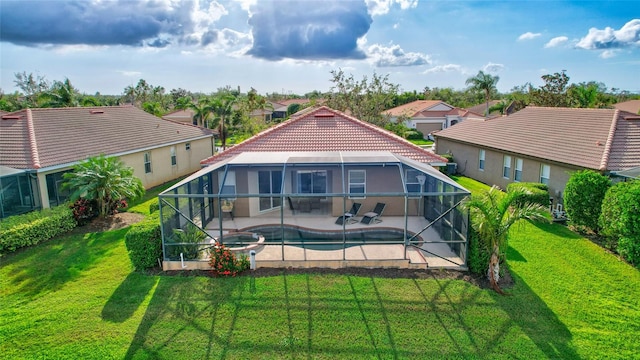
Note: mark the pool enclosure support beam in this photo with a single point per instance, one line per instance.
(282, 184)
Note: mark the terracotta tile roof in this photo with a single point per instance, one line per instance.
(632, 106)
(325, 129)
(599, 139)
(39, 138)
(413, 108)
(185, 115)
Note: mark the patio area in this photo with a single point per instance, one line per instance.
(296, 201)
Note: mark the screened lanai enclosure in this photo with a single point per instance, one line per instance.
(317, 209)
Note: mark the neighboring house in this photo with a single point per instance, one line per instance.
(482, 108)
(539, 144)
(325, 129)
(281, 107)
(429, 116)
(632, 106)
(181, 116)
(37, 146)
(301, 180)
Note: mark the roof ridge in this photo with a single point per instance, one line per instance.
(33, 146)
(607, 147)
(83, 107)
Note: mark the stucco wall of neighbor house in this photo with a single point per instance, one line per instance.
(467, 158)
(427, 128)
(187, 162)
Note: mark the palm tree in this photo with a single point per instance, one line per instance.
(484, 82)
(104, 179)
(492, 214)
(62, 94)
(222, 106)
(202, 110)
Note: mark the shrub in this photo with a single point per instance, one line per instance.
(478, 255)
(35, 227)
(533, 193)
(620, 219)
(84, 210)
(583, 197)
(144, 243)
(629, 249)
(189, 242)
(154, 206)
(223, 262)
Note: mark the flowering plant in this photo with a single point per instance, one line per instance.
(223, 262)
(84, 210)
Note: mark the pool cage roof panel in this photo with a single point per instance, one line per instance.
(310, 159)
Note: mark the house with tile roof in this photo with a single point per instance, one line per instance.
(429, 116)
(632, 106)
(182, 116)
(542, 144)
(37, 146)
(319, 189)
(325, 129)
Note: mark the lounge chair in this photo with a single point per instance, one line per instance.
(374, 215)
(349, 217)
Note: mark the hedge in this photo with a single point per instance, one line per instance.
(620, 219)
(534, 193)
(583, 198)
(35, 227)
(478, 255)
(144, 243)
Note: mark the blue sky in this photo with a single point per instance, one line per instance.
(291, 46)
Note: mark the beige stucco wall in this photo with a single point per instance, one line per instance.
(378, 179)
(467, 158)
(188, 161)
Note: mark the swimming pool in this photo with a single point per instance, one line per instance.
(317, 239)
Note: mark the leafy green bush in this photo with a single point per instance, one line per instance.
(583, 197)
(188, 242)
(144, 243)
(35, 227)
(620, 219)
(629, 249)
(223, 262)
(154, 206)
(478, 255)
(84, 210)
(533, 193)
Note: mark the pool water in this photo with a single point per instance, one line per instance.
(327, 240)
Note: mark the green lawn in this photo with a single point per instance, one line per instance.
(76, 297)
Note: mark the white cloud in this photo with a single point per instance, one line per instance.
(445, 69)
(394, 56)
(492, 67)
(628, 35)
(129, 73)
(396, 25)
(528, 36)
(382, 7)
(556, 41)
(608, 53)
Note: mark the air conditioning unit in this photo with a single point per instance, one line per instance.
(451, 168)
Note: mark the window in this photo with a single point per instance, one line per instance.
(312, 182)
(357, 183)
(229, 186)
(545, 174)
(147, 162)
(174, 158)
(481, 160)
(269, 183)
(506, 168)
(411, 180)
(517, 175)
(187, 146)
